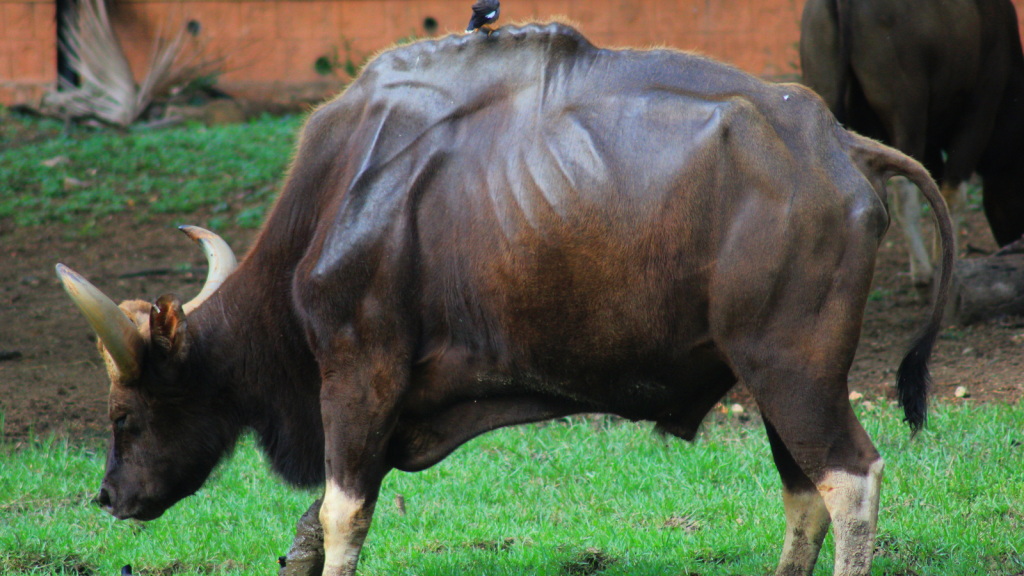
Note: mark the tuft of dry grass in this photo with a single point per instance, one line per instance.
(108, 89)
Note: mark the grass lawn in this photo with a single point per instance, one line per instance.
(571, 498)
(568, 498)
(231, 171)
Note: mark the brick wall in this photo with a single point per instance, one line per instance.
(270, 45)
(28, 49)
(273, 42)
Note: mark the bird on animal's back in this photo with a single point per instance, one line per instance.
(484, 12)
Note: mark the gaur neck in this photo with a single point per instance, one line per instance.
(252, 337)
(248, 344)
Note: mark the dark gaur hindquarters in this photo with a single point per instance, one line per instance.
(948, 90)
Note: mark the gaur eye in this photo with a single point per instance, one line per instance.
(119, 423)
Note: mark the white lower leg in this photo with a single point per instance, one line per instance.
(852, 502)
(807, 523)
(908, 214)
(345, 521)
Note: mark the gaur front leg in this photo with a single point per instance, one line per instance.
(345, 516)
(306, 556)
(357, 403)
(807, 518)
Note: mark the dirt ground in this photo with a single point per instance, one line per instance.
(52, 380)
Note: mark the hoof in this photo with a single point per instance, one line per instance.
(306, 557)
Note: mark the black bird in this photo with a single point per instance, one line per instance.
(484, 12)
(126, 570)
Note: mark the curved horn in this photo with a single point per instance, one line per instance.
(118, 333)
(220, 258)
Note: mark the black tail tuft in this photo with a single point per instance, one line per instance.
(912, 377)
(912, 382)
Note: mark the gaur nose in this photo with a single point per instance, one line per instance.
(103, 498)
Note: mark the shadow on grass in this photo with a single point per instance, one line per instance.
(33, 562)
(441, 560)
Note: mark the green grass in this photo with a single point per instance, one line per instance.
(231, 170)
(559, 499)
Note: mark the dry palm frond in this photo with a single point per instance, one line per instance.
(108, 90)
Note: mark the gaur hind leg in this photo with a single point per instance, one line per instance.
(907, 200)
(358, 401)
(817, 441)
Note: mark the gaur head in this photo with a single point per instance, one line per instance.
(169, 429)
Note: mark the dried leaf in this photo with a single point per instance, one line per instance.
(55, 161)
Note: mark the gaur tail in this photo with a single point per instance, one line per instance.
(912, 378)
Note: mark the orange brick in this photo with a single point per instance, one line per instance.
(641, 36)
(6, 74)
(628, 14)
(520, 11)
(361, 49)
(8, 96)
(735, 49)
(45, 16)
(400, 20)
(300, 56)
(306, 21)
(259, 20)
(549, 10)
(593, 17)
(138, 54)
(135, 24)
(48, 49)
(222, 47)
(360, 19)
(19, 20)
(690, 41)
(27, 60)
(216, 19)
(678, 16)
(249, 60)
(258, 62)
(725, 17)
(607, 40)
(451, 16)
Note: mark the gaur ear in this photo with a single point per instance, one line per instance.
(168, 328)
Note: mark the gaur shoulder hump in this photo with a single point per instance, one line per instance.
(552, 37)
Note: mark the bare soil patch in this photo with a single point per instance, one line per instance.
(58, 383)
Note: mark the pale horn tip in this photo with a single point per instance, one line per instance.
(68, 277)
(196, 233)
(220, 258)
